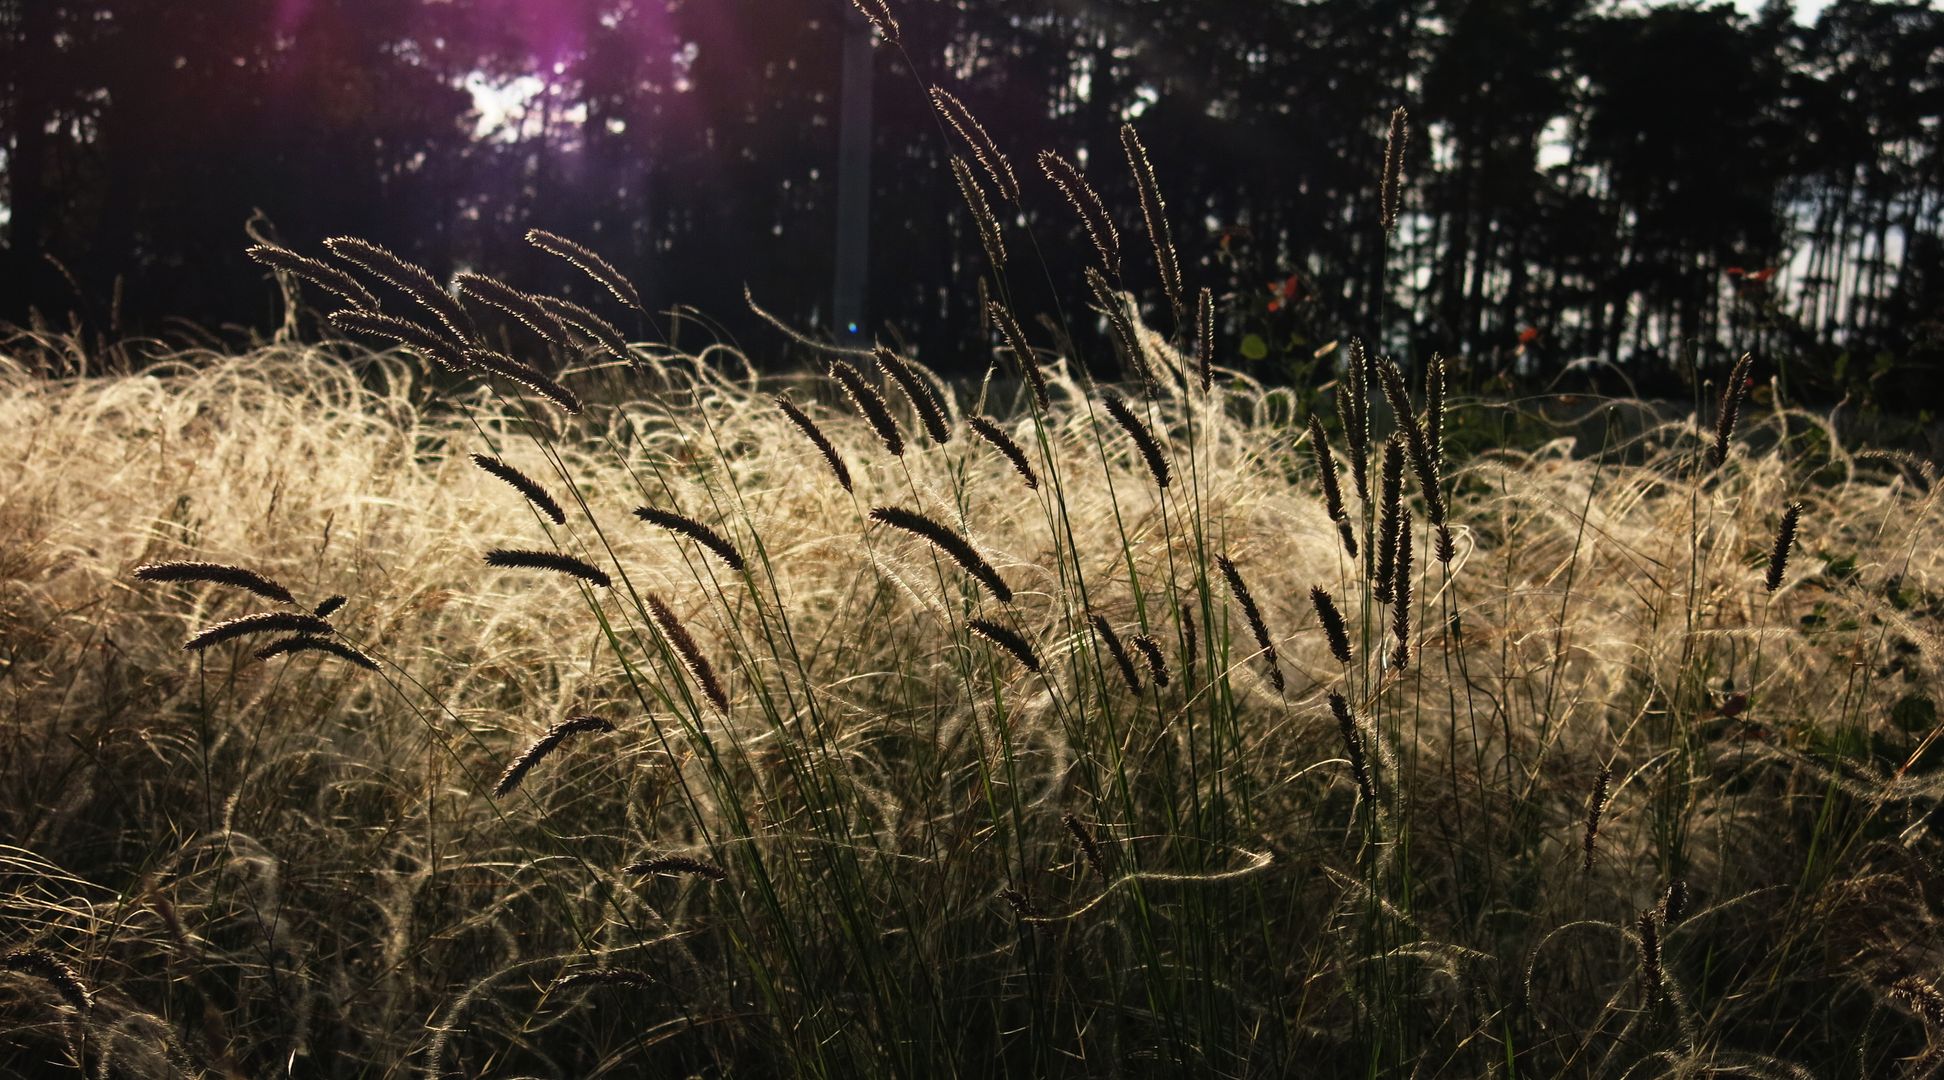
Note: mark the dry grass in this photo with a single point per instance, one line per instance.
(254, 863)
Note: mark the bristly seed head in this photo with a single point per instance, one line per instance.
(1729, 412)
(525, 485)
(924, 402)
(1007, 641)
(587, 262)
(689, 652)
(1154, 212)
(264, 622)
(53, 970)
(541, 747)
(1157, 663)
(696, 531)
(1353, 746)
(870, 405)
(1333, 626)
(1785, 535)
(997, 166)
(1394, 145)
(817, 439)
(948, 541)
(1002, 442)
(1086, 202)
(1105, 631)
(236, 577)
(1401, 595)
(1088, 847)
(1240, 591)
(1326, 472)
(1602, 786)
(557, 562)
(300, 643)
(1157, 462)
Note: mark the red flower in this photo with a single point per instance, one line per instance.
(1763, 274)
(1528, 335)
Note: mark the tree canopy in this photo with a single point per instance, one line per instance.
(1659, 185)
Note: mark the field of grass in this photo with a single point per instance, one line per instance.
(1587, 798)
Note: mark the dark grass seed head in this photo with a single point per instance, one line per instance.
(528, 488)
(236, 577)
(553, 561)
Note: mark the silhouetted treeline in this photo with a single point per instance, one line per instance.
(1659, 185)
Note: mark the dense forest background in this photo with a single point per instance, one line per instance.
(1662, 186)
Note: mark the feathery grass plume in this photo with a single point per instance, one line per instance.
(236, 577)
(685, 647)
(878, 13)
(997, 166)
(1401, 595)
(315, 271)
(1127, 344)
(817, 439)
(974, 195)
(1253, 614)
(527, 376)
(299, 643)
(1205, 337)
(1326, 472)
(523, 484)
(1150, 651)
(587, 262)
(1785, 535)
(521, 306)
(437, 346)
(1008, 641)
(1353, 746)
(696, 531)
(1022, 350)
(1334, 629)
(1651, 976)
(52, 970)
(514, 559)
(1088, 847)
(408, 278)
(1105, 630)
(1002, 442)
(1021, 904)
(1602, 787)
(1414, 441)
(678, 865)
(1154, 212)
(629, 978)
(1674, 902)
(1353, 409)
(1157, 462)
(586, 323)
(263, 622)
(330, 606)
(515, 772)
(870, 405)
(1086, 202)
(951, 543)
(1732, 396)
(1434, 410)
(1395, 143)
(924, 402)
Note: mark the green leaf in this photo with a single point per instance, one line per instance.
(1254, 348)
